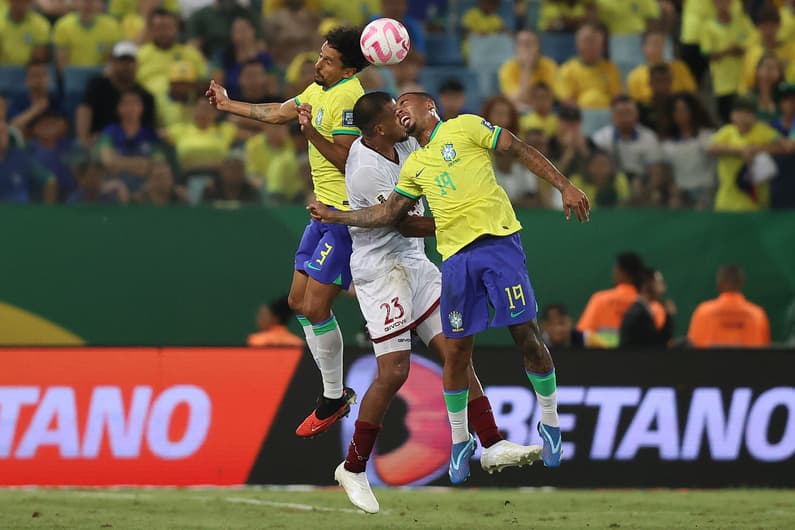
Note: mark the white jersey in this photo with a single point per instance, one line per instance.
(397, 286)
(369, 179)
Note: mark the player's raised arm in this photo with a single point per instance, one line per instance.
(266, 112)
(385, 214)
(573, 197)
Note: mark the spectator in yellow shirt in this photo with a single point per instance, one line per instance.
(176, 105)
(24, 34)
(482, 19)
(272, 165)
(736, 145)
(768, 25)
(203, 144)
(542, 116)
(564, 15)
(526, 69)
(724, 40)
(601, 181)
(156, 57)
(85, 36)
(588, 80)
(695, 15)
(638, 81)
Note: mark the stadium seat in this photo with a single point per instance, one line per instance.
(75, 79)
(627, 52)
(558, 46)
(486, 54)
(12, 81)
(443, 50)
(432, 77)
(594, 119)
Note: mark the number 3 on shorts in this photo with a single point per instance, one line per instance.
(389, 317)
(515, 294)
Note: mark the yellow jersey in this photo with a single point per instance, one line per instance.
(549, 123)
(718, 37)
(278, 168)
(551, 11)
(476, 21)
(729, 197)
(589, 86)
(510, 74)
(120, 8)
(455, 174)
(18, 40)
(695, 13)
(202, 147)
(639, 88)
(87, 45)
(627, 17)
(332, 114)
(154, 64)
(785, 52)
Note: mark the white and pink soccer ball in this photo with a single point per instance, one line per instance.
(385, 41)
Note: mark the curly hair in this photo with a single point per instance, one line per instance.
(345, 39)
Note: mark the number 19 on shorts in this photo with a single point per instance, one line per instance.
(515, 294)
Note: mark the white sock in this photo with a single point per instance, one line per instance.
(458, 426)
(328, 356)
(309, 334)
(549, 409)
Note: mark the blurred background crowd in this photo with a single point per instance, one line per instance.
(643, 103)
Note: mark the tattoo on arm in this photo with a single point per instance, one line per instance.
(384, 214)
(535, 161)
(262, 111)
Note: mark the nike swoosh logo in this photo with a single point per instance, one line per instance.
(419, 173)
(555, 447)
(456, 461)
(514, 315)
(309, 265)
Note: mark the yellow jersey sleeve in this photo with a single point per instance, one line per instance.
(480, 131)
(724, 135)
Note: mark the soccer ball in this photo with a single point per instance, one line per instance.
(385, 41)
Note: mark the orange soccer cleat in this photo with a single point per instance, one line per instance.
(313, 425)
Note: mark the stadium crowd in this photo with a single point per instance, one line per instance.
(643, 103)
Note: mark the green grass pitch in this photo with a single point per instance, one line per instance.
(328, 509)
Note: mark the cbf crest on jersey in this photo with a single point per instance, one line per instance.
(456, 321)
(448, 153)
(319, 117)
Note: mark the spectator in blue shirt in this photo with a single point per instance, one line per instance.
(52, 147)
(22, 179)
(37, 100)
(127, 148)
(94, 188)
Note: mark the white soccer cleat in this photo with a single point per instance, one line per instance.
(508, 454)
(358, 489)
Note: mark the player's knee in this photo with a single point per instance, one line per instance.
(395, 373)
(295, 304)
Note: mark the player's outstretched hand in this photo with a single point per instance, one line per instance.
(575, 199)
(217, 95)
(319, 211)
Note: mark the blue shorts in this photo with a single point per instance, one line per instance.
(488, 272)
(325, 253)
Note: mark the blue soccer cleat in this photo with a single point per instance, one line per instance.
(553, 445)
(459, 460)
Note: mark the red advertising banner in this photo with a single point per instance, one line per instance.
(143, 416)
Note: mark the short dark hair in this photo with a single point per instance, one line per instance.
(649, 33)
(745, 103)
(423, 95)
(280, 308)
(345, 39)
(541, 85)
(768, 14)
(163, 12)
(569, 113)
(619, 99)
(451, 85)
(561, 309)
(368, 109)
(630, 263)
(732, 275)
